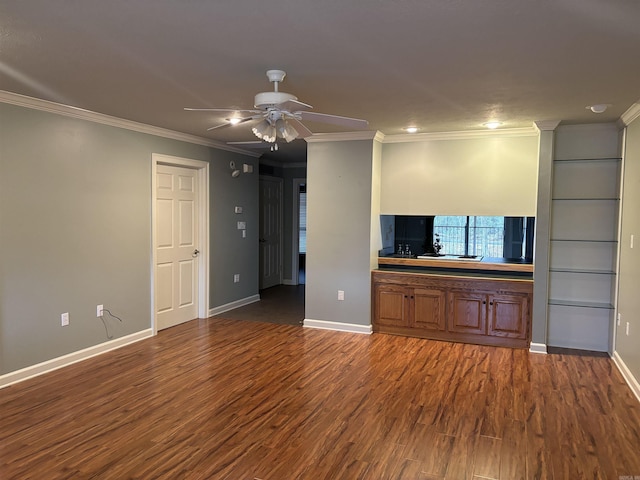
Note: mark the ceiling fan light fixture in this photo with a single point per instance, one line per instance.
(265, 131)
(234, 120)
(285, 131)
(492, 125)
(411, 129)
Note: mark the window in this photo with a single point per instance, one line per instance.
(459, 235)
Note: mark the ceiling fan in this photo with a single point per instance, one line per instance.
(279, 115)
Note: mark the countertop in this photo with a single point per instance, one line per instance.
(454, 263)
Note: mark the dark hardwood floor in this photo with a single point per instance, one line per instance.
(282, 304)
(237, 400)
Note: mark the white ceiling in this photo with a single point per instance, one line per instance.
(442, 65)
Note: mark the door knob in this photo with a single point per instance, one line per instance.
(195, 253)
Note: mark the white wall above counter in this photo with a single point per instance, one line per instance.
(492, 175)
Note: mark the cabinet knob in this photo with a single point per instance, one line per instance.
(490, 303)
(484, 302)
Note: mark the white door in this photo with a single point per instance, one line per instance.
(176, 245)
(270, 232)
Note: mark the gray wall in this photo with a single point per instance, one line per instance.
(75, 231)
(628, 347)
(339, 195)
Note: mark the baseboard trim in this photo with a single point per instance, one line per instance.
(233, 305)
(71, 358)
(287, 281)
(626, 373)
(538, 348)
(337, 326)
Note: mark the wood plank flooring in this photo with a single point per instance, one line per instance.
(235, 400)
(280, 304)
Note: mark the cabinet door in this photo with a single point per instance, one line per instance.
(467, 312)
(428, 309)
(392, 306)
(509, 315)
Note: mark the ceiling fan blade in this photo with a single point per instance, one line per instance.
(226, 124)
(189, 109)
(229, 124)
(303, 132)
(334, 119)
(293, 105)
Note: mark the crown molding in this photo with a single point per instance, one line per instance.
(461, 135)
(379, 137)
(342, 136)
(546, 125)
(632, 113)
(101, 118)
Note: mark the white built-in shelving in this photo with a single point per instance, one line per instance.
(583, 251)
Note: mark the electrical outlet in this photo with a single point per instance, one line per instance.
(340, 294)
(236, 278)
(631, 241)
(627, 329)
(242, 225)
(238, 210)
(99, 310)
(64, 319)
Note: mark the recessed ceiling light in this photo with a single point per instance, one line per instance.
(411, 129)
(598, 108)
(492, 125)
(234, 120)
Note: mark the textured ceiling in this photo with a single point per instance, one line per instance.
(442, 65)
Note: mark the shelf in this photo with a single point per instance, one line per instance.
(582, 241)
(583, 271)
(572, 303)
(592, 199)
(608, 159)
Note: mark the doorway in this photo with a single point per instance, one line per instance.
(270, 238)
(180, 240)
(299, 239)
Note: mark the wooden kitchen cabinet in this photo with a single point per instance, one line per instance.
(404, 307)
(392, 306)
(509, 315)
(490, 311)
(501, 315)
(467, 312)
